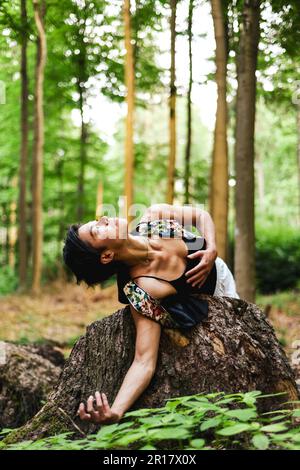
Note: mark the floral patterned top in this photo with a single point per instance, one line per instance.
(168, 228)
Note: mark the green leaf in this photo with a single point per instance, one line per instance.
(197, 443)
(168, 433)
(235, 429)
(129, 438)
(296, 413)
(250, 397)
(148, 447)
(278, 427)
(210, 423)
(106, 430)
(260, 441)
(242, 415)
(143, 411)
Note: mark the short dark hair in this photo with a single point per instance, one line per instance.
(84, 260)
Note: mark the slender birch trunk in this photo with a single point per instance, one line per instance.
(37, 166)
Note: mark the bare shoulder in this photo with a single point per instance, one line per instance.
(155, 287)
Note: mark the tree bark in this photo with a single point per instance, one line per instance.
(219, 170)
(244, 268)
(12, 233)
(27, 375)
(22, 219)
(172, 108)
(37, 183)
(236, 342)
(298, 156)
(83, 143)
(189, 107)
(129, 82)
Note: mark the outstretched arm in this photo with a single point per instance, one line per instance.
(135, 381)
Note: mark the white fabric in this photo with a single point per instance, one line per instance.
(225, 285)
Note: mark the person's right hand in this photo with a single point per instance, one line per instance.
(101, 414)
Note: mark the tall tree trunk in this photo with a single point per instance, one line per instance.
(12, 233)
(172, 108)
(189, 107)
(244, 151)
(37, 186)
(219, 171)
(83, 144)
(298, 156)
(22, 219)
(236, 342)
(61, 207)
(129, 82)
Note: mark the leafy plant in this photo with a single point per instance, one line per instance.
(202, 421)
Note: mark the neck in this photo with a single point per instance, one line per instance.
(136, 250)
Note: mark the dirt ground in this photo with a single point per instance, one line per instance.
(60, 313)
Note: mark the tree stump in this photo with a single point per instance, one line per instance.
(27, 376)
(234, 350)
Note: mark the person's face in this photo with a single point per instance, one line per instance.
(109, 232)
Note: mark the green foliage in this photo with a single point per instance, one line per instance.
(211, 421)
(86, 57)
(277, 258)
(8, 280)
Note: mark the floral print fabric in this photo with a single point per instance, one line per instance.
(148, 305)
(168, 228)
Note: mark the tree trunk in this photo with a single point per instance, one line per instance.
(219, 170)
(189, 107)
(298, 156)
(244, 151)
(37, 184)
(83, 144)
(129, 82)
(22, 219)
(12, 233)
(27, 375)
(236, 342)
(172, 108)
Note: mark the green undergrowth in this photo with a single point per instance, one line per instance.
(211, 421)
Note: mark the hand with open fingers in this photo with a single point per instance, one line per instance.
(199, 273)
(100, 412)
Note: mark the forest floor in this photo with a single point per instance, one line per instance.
(62, 311)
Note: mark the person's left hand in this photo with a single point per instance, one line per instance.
(103, 414)
(199, 273)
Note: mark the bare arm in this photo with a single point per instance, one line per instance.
(186, 215)
(142, 369)
(199, 218)
(136, 379)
